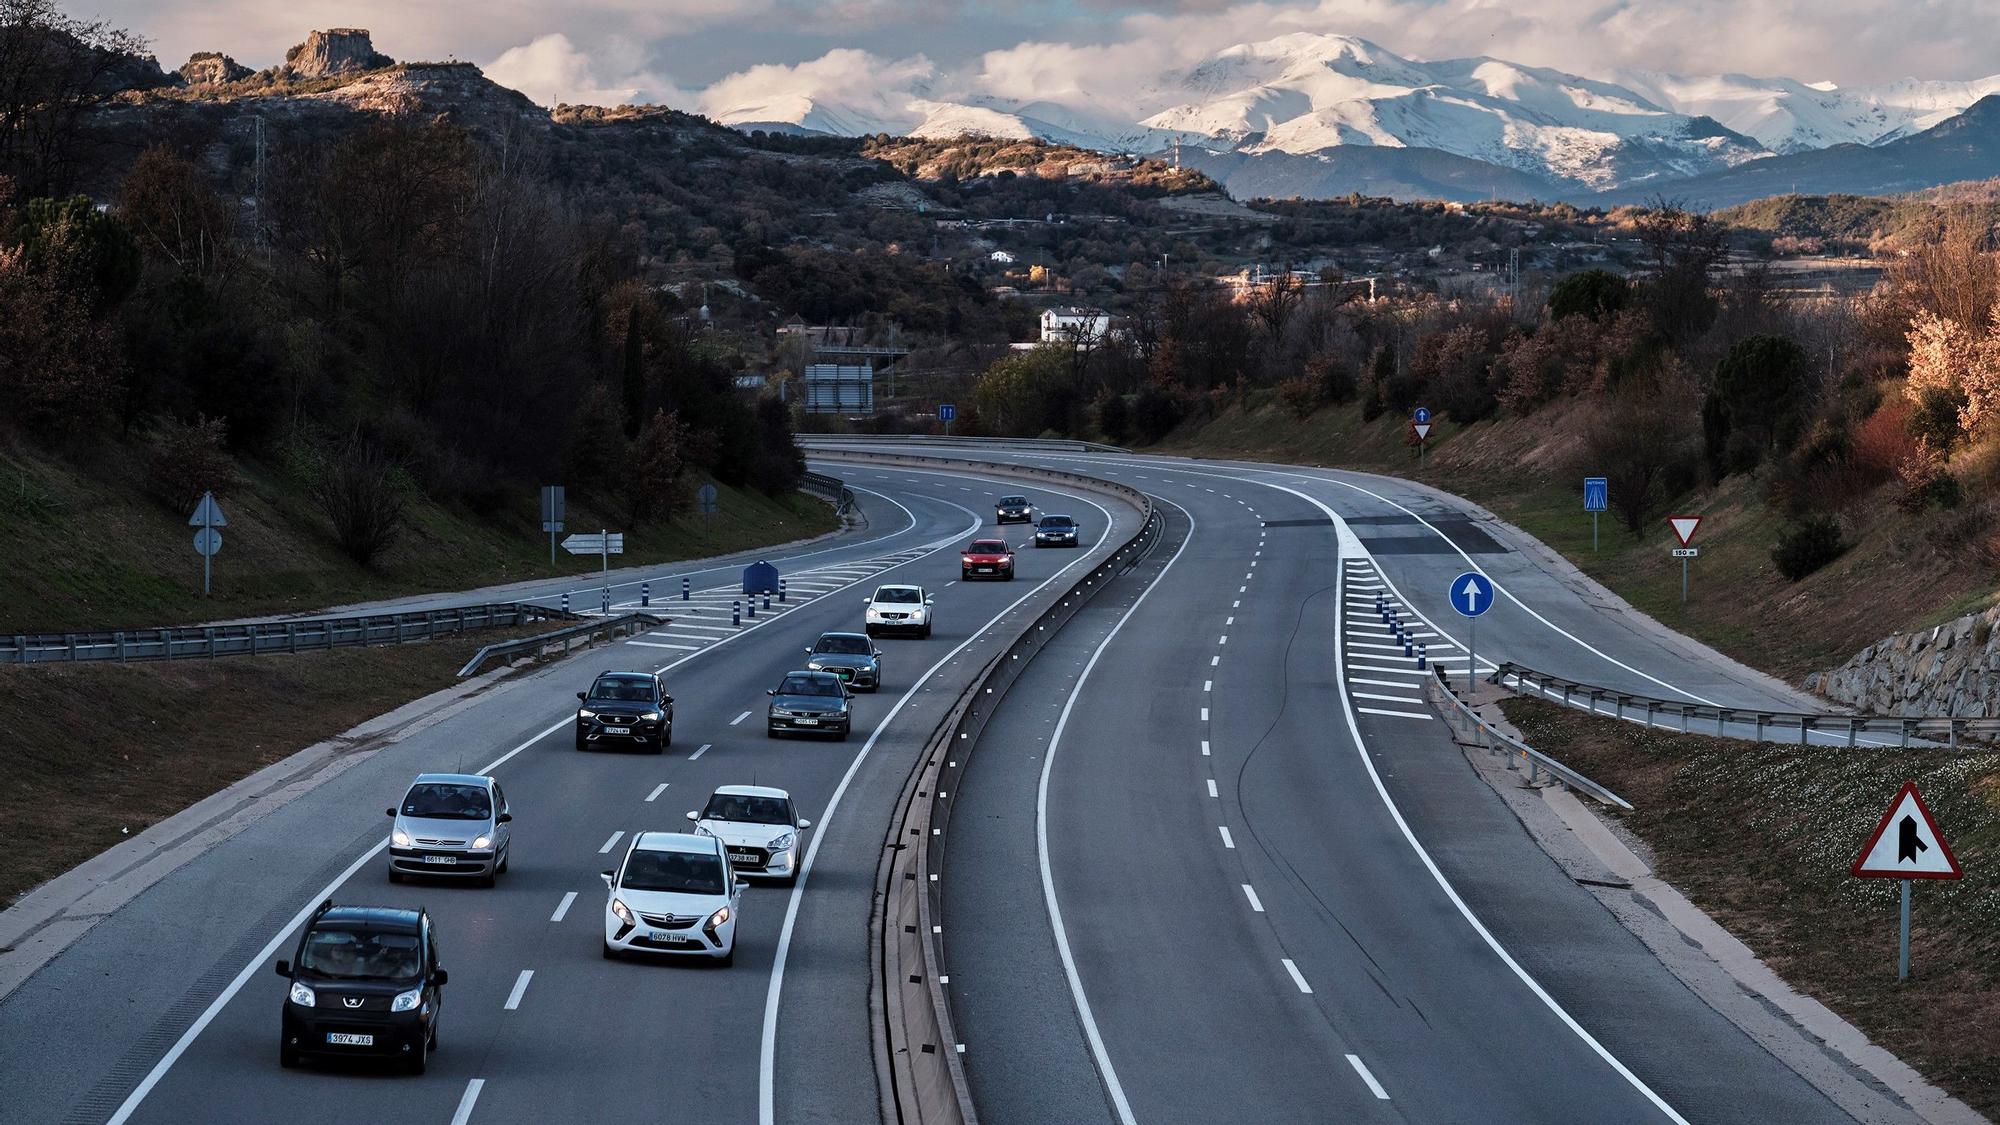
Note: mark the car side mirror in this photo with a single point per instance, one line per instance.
(770, 691)
(809, 652)
(284, 969)
(928, 601)
(440, 978)
(391, 812)
(581, 695)
(668, 700)
(606, 876)
(878, 652)
(693, 815)
(867, 601)
(804, 824)
(504, 818)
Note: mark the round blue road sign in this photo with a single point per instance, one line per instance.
(1423, 415)
(1471, 594)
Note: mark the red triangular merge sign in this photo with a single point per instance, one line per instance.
(1906, 844)
(1684, 527)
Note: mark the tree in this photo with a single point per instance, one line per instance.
(1685, 247)
(54, 69)
(597, 446)
(58, 366)
(653, 484)
(167, 201)
(83, 250)
(635, 375)
(1114, 417)
(1760, 395)
(1593, 293)
(1643, 447)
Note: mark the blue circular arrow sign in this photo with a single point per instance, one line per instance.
(1471, 594)
(1423, 415)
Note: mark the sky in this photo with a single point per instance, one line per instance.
(698, 54)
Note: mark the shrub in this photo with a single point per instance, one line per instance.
(363, 494)
(1934, 420)
(1301, 396)
(1592, 293)
(1157, 411)
(1926, 482)
(1883, 440)
(1335, 376)
(188, 459)
(1114, 418)
(1807, 545)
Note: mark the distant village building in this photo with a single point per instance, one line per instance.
(1002, 257)
(1065, 324)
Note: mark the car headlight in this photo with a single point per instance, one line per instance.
(302, 996)
(482, 843)
(650, 717)
(624, 913)
(583, 713)
(718, 918)
(400, 838)
(407, 1001)
(813, 666)
(781, 843)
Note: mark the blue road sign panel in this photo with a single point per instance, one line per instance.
(1471, 594)
(1423, 415)
(1596, 494)
(947, 412)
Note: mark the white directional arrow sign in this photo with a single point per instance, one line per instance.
(595, 543)
(1906, 843)
(1471, 594)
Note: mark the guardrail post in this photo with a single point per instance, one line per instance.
(1721, 717)
(399, 628)
(120, 636)
(1652, 709)
(1852, 725)
(1805, 724)
(1905, 724)
(1618, 707)
(207, 634)
(1684, 718)
(684, 589)
(1760, 725)
(645, 594)
(1954, 734)
(736, 612)
(291, 636)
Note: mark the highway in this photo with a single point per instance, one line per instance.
(167, 1011)
(1213, 859)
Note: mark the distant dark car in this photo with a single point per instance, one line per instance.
(1056, 531)
(625, 708)
(1013, 509)
(365, 983)
(851, 656)
(987, 558)
(810, 703)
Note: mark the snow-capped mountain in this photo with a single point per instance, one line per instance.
(1786, 116)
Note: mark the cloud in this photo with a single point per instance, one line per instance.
(870, 93)
(553, 70)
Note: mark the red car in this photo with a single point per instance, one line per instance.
(987, 558)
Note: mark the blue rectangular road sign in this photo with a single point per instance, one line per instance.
(1596, 494)
(947, 412)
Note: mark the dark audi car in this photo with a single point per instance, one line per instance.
(810, 703)
(631, 708)
(1056, 531)
(851, 656)
(1013, 509)
(366, 984)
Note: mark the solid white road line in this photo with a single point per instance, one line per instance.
(1385, 671)
(657, 644)
(655, 794)
(1250, 893)
(1378, 683)
(1227, 841)
(467, 1101)
(1298, 978)
(739, 718)
(562, 908)
(1392, 714)
(612, 842)
(1389, 698)
(1361, 1068)
(520, 986)
(700, 750)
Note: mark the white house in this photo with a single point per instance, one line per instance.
(1068, 324)
(1002, 257)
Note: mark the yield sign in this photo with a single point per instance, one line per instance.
(1906, 844)
(1684, 527)
(1423, 430)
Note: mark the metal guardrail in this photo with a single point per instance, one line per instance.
(1466, 721)
(922, 1074)
(1063, 444)
(537, 645)
(1653, 711)
(831, 489)
(300, 635)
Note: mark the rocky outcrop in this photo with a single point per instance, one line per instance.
(1951, 670)
(338, 50)
(212, 68)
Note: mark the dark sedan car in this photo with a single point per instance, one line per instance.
(810, 703)
(851, 656)
(1056, 531)
(1013, 509)
(366, 984)
(625, 708)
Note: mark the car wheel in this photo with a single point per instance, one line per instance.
(610, 954)
(580, 743)
(659, 744)
(420, 1061)
(395, 876)
(728, 958)
(842, 736)
(965, 576)
(506, 858)
(287, 1057)
(667, 735)
(488, 879)
(926, 634)
(869, 629)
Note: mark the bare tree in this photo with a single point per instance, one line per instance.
(53, 70)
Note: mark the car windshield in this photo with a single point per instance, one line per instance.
(439, 801)
(809, 685)
(624, 689)
(848, 645)
(988, 547)
(685, 872)
(742, 809)
(1058, 521)
(361, 955)
(1014, 501)
(899, 595)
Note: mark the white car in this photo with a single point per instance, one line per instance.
(899, 609)
(673, 894)
(758, 826)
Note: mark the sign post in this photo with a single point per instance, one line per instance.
(207, 516)
(604, 544)
(1684, 527)
(705, 497)
(1596, 498)
(1471, 594)
(552, 515)
(947, 413)
(1915, 849)
(1420, 421)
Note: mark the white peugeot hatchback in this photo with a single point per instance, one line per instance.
(674, 894)
(759, 827)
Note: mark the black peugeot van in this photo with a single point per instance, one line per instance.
(366, 984)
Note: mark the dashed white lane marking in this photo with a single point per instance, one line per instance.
(1223, 640)
(1208, 685)
(1214, 660)
(1361, 1068)
(1391, 714)
(655, 794)
(1204, 714)
(953, 582)
(562, 908)
(1204, 747)
(1256, 555)
(1241, 589)
(465, 1103)
(657, 644)
(1211, 788)
(1226, 841)
(739, 718)
(1229, 621)
(1250, 893)
(1388, 698)
(520, 986)
(703, 750)
(1236, 605)
(612, 842)
(1298, 978)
